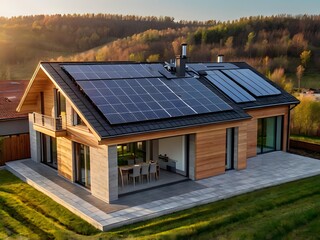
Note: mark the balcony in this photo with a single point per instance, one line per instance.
(54, 127)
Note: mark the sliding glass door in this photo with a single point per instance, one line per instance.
(82, 163)
(269, 134)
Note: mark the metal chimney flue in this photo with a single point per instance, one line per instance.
(220, 58)
(184, 50)
(181, 61)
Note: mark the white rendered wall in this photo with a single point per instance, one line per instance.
(174, 147)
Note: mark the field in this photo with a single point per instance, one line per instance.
(288, 211)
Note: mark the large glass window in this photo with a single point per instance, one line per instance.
(269, 134)
(48, 150)
(131, 151)
(82, 162)
(230, 148)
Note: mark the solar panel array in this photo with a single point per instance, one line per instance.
(108, 71)
(126, 93)
(252, 82)
(133, 100)
(229, 87)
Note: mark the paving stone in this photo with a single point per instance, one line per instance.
(262, 171)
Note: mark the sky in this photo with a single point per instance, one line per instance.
(179, 9)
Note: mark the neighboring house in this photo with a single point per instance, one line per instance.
(14, 126)
(197, 119)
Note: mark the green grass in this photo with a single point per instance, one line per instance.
(288, 211)
(308, 139)
(309, 80)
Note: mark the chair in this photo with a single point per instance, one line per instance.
(130, 162)
(123, 174)
(135, 173)
(158, 167)
(153, 170)
(145, 171)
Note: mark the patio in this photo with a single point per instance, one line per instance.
(262, 171)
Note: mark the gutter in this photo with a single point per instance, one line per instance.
(272, 105)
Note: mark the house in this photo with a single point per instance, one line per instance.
(14, 126)
(197, 120)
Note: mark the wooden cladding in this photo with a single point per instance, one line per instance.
(65, 158)
(211, 150)
(210, 153)
(14, 147)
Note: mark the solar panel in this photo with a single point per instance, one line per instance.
(228, 87)
(252, 82)
(211, 66)
(196, 95)
(133, 100)
(81, 72)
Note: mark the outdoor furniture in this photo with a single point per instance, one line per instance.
(158, 166)
(135, 173)
(124, 174)
(145, 171)
(153, 171)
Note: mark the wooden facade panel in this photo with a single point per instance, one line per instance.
(242, 147)
(65, 159)
(210, 153)
(170, 133)
(48, 95)
(252, 132)
(14, 147)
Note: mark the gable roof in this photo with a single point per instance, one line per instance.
(73, 83)
(10, 95)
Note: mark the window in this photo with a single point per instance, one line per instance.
(269, 134)
(76, 120)
(134, 150)
(82, 163)
(48, 150)
(230, 148)
(60, 103)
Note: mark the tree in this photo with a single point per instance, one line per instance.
(229, 42)
(299, 73)
(305, 57)
(248, 46)
(278, 76)
(153, 58)
(306, 116)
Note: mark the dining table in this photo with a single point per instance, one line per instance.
(125, 169)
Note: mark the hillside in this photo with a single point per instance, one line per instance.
(267, 43)
(26, 40)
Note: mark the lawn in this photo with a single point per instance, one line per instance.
(308, 139)
(288, 211)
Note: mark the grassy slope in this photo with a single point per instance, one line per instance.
(315, 140)
(288, 211)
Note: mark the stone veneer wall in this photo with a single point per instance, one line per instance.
(192, 156)
(104, 172)
(34, 140)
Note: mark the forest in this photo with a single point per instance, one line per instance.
(285, 48)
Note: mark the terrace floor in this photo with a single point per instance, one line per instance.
(262, 171)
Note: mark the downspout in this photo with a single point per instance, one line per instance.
(288, 127)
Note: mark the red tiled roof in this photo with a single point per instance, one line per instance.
(10, 95)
